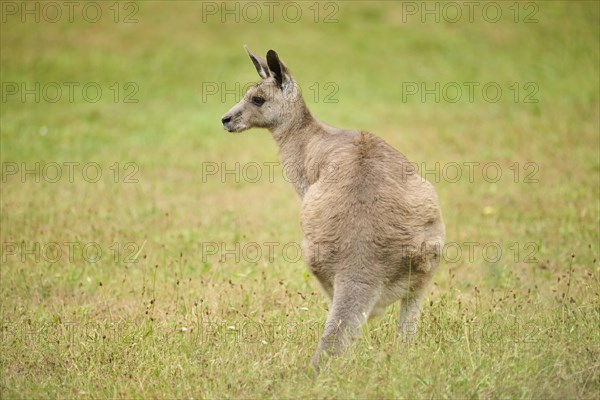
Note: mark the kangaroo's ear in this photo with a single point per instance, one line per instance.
(278, 70)
(259, 63)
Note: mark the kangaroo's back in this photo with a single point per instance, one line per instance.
(367, 198)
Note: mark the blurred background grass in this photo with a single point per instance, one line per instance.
(172, 52)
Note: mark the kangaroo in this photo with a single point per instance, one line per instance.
(373, 228)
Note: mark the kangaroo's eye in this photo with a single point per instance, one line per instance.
(258, 101)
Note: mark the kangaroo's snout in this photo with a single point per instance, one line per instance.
(225, 121)
(234, 120)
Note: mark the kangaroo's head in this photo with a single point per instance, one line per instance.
(271, 103)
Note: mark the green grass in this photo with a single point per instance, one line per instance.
(179, 323)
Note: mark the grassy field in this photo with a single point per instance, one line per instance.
(147, 253)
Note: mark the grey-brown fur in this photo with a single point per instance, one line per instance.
(373, 229)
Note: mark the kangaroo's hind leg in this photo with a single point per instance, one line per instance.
(410, 311)
(410, 307)
(351, 306)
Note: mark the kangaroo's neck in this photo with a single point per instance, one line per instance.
(292, 138)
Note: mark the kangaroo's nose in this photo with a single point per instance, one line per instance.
(225, 119)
